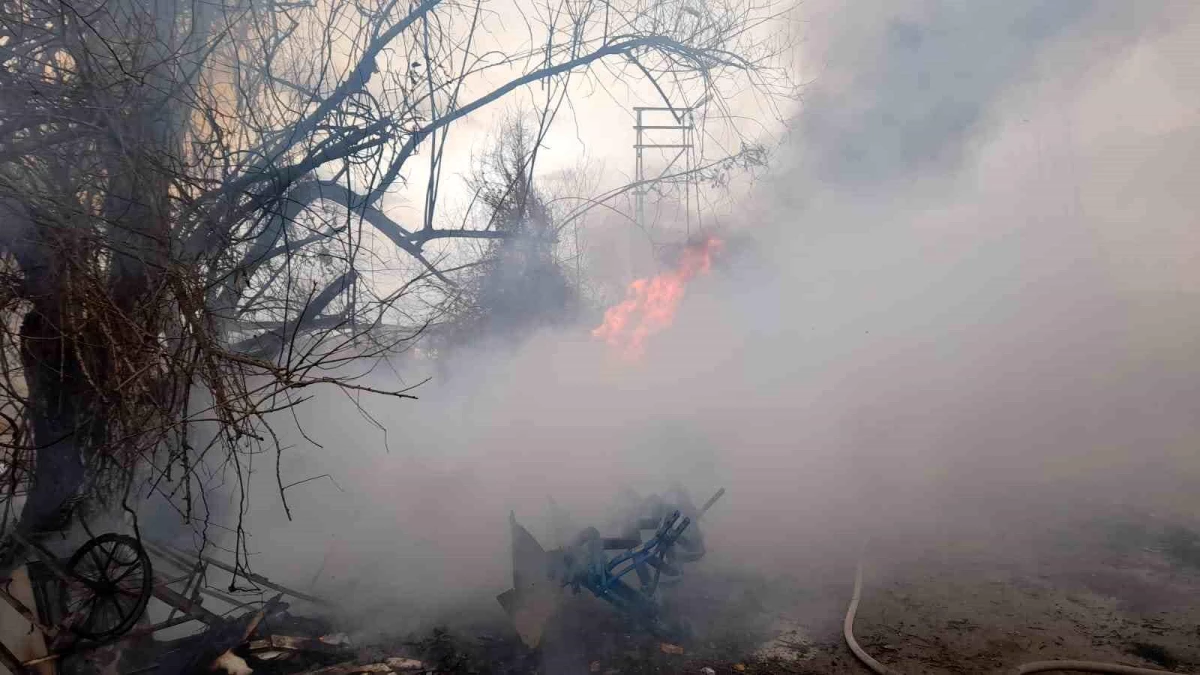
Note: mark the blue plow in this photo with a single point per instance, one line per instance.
(624, 571)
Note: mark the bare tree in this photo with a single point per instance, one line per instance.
(194, 207)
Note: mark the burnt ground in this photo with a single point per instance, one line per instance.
(1123, 590)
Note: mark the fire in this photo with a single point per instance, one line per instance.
(650, 304)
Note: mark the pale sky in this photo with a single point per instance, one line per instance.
(594, 130)
(1088, 89)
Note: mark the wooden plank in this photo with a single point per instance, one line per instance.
(48, 558)
(184, 604)
(258, 579)
(181, 562)
(26, 613)
(20, 637)
(10, 661)
(351, 668)
(197, 575)
(225, 598)
(170, 556)
(296, 644)
(133, 634)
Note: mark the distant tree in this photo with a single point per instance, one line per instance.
(519, 282)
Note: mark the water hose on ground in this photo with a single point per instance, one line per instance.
(848, 628)
(1024, 669)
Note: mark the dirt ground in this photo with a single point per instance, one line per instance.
(1123, 590)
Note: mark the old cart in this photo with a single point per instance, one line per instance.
(99, 595)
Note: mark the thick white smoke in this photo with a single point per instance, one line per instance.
(968, 302)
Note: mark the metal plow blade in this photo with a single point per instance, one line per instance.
(534, 598)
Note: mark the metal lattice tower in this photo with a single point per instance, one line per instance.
(669, 134)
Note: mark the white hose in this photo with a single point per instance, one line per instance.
(1024, 669)
(848, 628)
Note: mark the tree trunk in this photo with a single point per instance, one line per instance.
(58, 411)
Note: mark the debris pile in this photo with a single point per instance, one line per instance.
(125, 604)
(113, 605)
(273, 642)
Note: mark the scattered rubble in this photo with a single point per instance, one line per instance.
(231, 663)
(392, 665)
(668, 648)
(1116, 598)
(789, 643)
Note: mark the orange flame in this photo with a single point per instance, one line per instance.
(650, 304)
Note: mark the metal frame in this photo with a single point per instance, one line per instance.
(651, 560)
(679, 127)
(604, 577)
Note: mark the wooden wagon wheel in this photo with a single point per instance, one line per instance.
(111, 582)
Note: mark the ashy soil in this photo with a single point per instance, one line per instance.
(1123, 590)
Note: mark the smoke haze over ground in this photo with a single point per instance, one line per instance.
(965, 301)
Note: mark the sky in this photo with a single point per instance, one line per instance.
(963, 297)
(591, 140)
